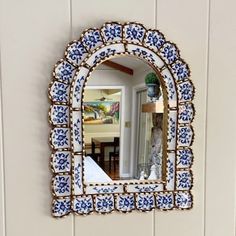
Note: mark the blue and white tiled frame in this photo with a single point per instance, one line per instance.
(71, 194)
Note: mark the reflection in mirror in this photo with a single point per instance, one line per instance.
(123, 122)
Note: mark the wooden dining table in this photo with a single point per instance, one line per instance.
(103, 142)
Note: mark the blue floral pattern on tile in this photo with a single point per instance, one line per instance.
(103, 54)
(61, 207)
(148, 188)
(77, 130)
(78, 175)
(83, 205)
(76, 52)
(154, 40)
(59, 92)
(165, 201)
(171, 129)
(104, 203)
(59, 114)
(186, 91)
(64, 71)
(107, 189)
(186, 112)
(62, 185)
(78, 89)
(61, 161)
(92, 39)
(125, 203)
(60, 138)
(184, 158)
(112, 32)
(145, 202)
(171, 91)
(180, 70)
(142, 53)
(134, 32)
(184, 180)
(169, 52)
(170, 173)
(185, 136)
(183, 200)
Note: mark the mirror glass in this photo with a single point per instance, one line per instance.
(123, 122)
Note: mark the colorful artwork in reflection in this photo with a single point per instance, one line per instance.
(101, 112)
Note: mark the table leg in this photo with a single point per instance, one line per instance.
(102, 156)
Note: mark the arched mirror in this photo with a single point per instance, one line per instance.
(123, 122)
(121, 117)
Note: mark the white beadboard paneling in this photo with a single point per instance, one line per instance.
(181, 24)
(93, 13)
(33, 37)
(221, 128)
(116, 224)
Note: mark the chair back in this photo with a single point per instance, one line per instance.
(93, 147)
(116, 144)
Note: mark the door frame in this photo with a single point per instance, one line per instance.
(133, 153)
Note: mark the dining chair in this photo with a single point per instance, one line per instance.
(95, 155)
(115, 154)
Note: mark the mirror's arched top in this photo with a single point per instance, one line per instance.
(65, 92)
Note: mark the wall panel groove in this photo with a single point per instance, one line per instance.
(206, 112)
(2, 165)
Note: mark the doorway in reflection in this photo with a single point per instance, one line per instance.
(102, 130)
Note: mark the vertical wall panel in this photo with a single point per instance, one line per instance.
(33, 36)
(185, 23)
(221, 128)
(94, 13)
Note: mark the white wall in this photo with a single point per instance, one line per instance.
(33, 37)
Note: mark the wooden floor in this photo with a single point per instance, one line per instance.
(114, 174)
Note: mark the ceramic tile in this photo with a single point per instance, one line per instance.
(101, 189)
(112, 32)
(76, 53)
(184, 180)
(104, 203)
(83, 204)
(125, 202)
(134, 33)
(165, 201)
(140, 188)
(60, 138)
(145, 201)
(61, 161)
(59, 115)
(154, 39)
(64, 71)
